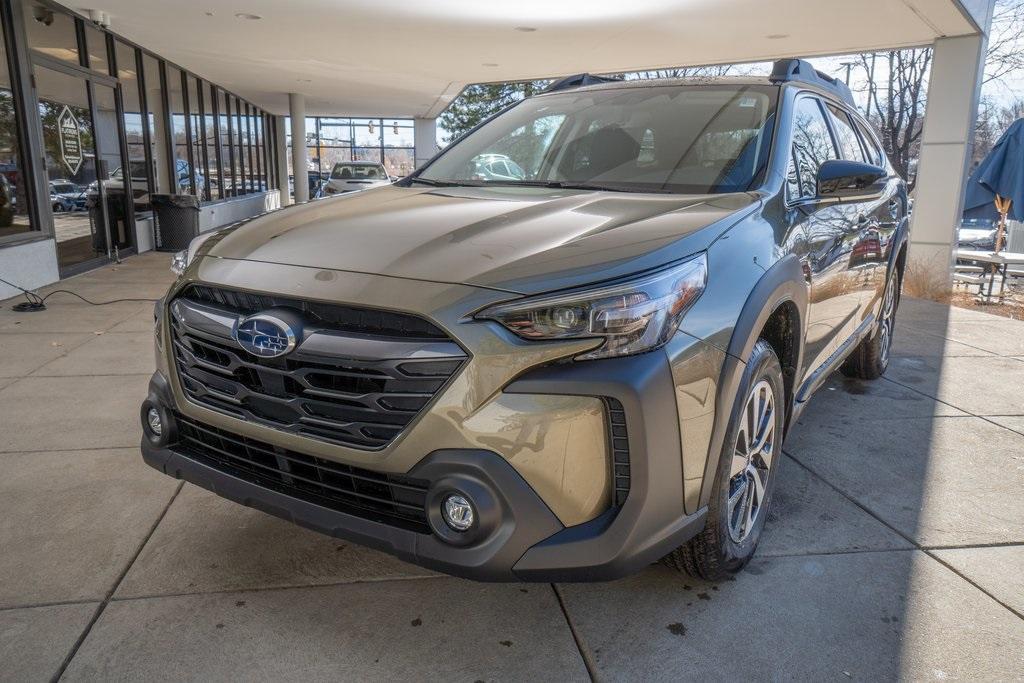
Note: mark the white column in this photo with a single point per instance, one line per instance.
(300, 166)
(281, 152)
(425, 131)
(953, 90)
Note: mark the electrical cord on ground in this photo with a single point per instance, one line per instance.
(34, 302)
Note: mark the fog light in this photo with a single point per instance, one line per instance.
(156, 425)
(457, 512)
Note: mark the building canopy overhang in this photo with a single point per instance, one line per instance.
(410, 59)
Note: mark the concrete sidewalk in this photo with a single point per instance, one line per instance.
(895, 547)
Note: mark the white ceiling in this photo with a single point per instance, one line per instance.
(411, 57)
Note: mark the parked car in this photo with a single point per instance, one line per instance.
(352, 176)
(495, 167)
(140, 183)
(66, 196)
(977, 233)
(564, 376)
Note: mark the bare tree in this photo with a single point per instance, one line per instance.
(897, 87)
(681, 72)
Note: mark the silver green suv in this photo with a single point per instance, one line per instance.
(563, 376)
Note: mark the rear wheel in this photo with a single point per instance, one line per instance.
(745, 478)
(871, 357)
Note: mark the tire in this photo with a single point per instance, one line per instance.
(871, 357)
(729, 537)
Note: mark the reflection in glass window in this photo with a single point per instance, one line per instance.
(158, 133)
(812, 143)
(213, 180)
(14, 182)
(127, 73)
(96, 49)
(54, 37)
(847, 136)
(175, 96)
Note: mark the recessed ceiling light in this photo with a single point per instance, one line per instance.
(489, 64)
(525, 29)
(251, 17)
(777, 36)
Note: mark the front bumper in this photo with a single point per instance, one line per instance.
(523, 538)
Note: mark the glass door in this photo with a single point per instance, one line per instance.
(82, 149)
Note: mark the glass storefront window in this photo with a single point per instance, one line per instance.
(15, 217)
(198, 133)
(127, 73)
(158, 133)
(96, 49)
(179, 134)
(51, 33)
(213, 178)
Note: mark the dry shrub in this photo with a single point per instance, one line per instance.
(928, 280)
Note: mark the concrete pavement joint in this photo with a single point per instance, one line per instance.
(576, 637)
(110, 594)
(287, 587)
(946, 403)
(907, 538)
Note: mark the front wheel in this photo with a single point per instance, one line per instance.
(871, 357)
(745, 478)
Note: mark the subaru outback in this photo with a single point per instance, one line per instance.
(563, 376)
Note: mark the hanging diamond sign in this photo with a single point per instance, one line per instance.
(70, 140)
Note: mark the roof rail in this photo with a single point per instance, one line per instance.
(578, 81)
(786, 70)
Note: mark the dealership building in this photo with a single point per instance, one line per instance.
(104, 111)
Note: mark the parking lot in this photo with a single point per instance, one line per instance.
(894, 548)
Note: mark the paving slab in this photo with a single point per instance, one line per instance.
(808, 517)
(110, 353)
(933, 479)
(69, 317)
(911, 341)
(35, 641)
(62, 413)
(997, 569)
(983, 386)
(436, 629)
(139, 322)
(206, 543)
(1012, 422)
(71, 521)
(107, 289)
(849, 402)
(1001, 336)
(20, 354)
(913, 310)
(7, 381)
(858, 616)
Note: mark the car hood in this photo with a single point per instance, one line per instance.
(522, 240)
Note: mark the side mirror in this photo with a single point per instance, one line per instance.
(849, 180)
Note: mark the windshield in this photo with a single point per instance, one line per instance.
(358, 172)
(692, 139)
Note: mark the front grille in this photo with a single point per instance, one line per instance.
(387, 498)
(336, 394)
(329, 316)
(619, 438)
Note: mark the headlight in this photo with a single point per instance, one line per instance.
(631, 316)
(181, 260)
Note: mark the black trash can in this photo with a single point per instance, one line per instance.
(177, 220)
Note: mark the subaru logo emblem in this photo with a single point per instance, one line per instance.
(265, 336)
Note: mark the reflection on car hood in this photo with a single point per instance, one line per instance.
(522, 240)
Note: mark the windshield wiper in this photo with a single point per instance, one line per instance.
(444, 183)
(569, 185)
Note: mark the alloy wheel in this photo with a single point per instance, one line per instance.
(887, 321)
(752, 460)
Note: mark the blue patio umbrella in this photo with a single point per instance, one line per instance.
(996, 187)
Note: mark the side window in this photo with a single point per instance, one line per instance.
(874, 154)
(849, 145)
(812, 143)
